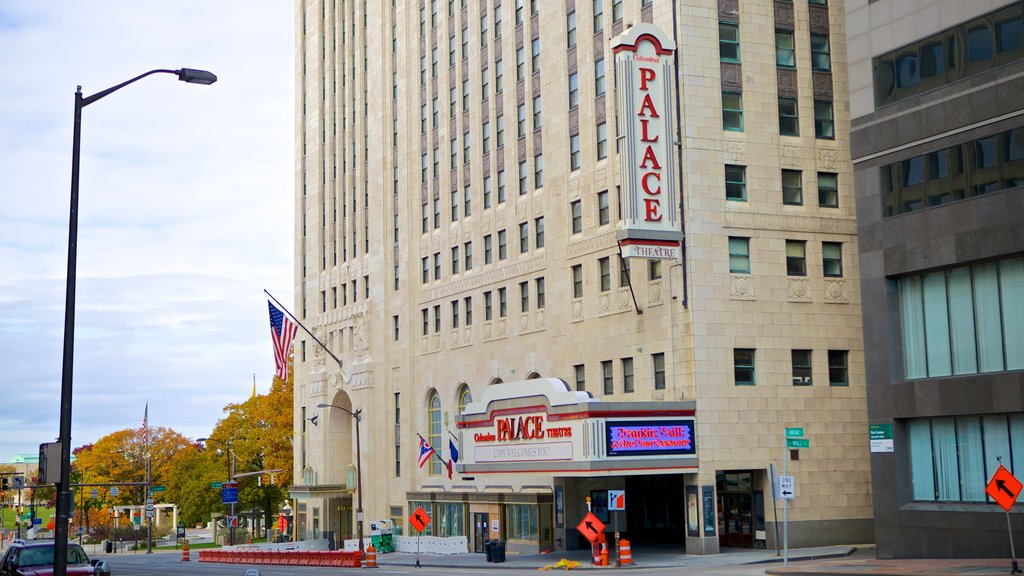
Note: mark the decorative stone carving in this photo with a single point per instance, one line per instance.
(574, 188)
(502, 329)
(540, 319)
(827, 159)
(742, 287)
(487, 331)
(602, 303)
(360, 337)
(625, 299)
(798, 289)
(577, 309)
(524, 323)
(654, 293)
(735, 151)
(790, 155)
(835, 290)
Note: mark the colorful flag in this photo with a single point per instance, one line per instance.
(425, 451)
(282, 332)
(449, 465)
(454, 451)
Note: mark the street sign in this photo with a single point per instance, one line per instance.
(232, 521)
(149, 507)
(1003, 488)
(591, 527)
(17, 482)
(216, 484)
(149, 501)
(616, 499)
(229, 493)
(795, 443)
(786, 487)
(419, 519)
(880, 436)
(794, 432)
(150, 513)
(114, 491)
(94, 494)
(157, 489)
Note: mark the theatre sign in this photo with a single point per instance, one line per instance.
(541, 426)
(646, 102)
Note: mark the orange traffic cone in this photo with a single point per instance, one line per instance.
(371, 557)
(625, 554)
(184, 552)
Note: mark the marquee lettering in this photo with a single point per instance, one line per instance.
(649, 163)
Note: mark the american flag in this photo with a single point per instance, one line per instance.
(282, 332)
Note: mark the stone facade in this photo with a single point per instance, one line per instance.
(375, 233)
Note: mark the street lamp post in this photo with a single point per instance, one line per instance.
(60, 552)
(359, 472)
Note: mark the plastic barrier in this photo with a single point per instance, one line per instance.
(625, 554)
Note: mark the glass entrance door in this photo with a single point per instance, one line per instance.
(481, 532)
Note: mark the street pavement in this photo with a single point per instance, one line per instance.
(652, 561)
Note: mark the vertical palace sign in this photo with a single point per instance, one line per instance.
(646, 103)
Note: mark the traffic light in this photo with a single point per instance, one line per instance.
(3, 483)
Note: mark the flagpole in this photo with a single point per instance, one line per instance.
(301, 325)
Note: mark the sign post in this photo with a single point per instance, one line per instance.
(794, 441)
(419, 521)
(1004, 489)
(616, 503)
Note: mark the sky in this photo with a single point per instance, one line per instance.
(185, 215)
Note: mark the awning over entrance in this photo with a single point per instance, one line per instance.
(541, 425)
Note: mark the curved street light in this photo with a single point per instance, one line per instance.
(359, 471)
(60, 552)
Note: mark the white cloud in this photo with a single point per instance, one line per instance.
(185, 210)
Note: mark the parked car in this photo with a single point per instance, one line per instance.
(35, 558)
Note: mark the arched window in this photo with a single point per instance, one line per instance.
(532, 376)
(434, 430)
(464, 397)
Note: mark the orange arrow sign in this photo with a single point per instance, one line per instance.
(591, 527)
(419, 519)
(1003, 488)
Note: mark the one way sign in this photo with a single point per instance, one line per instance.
(785, 487)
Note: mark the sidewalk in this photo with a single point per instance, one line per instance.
(826, 561)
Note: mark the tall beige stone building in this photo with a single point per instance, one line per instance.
(460, 215)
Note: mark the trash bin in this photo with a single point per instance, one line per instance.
(109, 547)
(498, 551)
(487, 549)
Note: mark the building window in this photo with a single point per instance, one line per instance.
(468, 250)
(785, 49)
(538, 233)
(522, 178)
(465, 398)
(739, 255)
(437, 265)
(499, 76)
(735, 183)
(598, 15)
(627, 375)
(653, 269)
(521, 120)
(524, 296)
(606, 377)
(574, 152)
(437, 213)
(576, 210)
(828, 190)
(743, 366)
(838, 368)
(467, 303)
(966, 320)
(824, 124)
(455, 313)
(729, 42)
(616, 11)
(832, 259)
(539, 286)
(577, 281)
(603, 214)
(792, 187)
(605, 274)
(952, 458)
(524, 237)
(425, 317)
(455, 259)
(437, 318)
(502, 302)
(434, 430)
(488, 306)
(501, 186)
(502, 245)
(732, 111)
(599, 86)
(581, 377)
(659, 370)
(801, 367)
(519, 12)
(522, 521)
(538, 171)
(623, 272)
(487, 249)
(455, 205)
(520, 64)
(394, 328)
(789, 117)
(602, 141)
(536, 113)
(486, 141)
(426, 270)
(796, 258)
(820, 59)
(574, 90)
(570, 29)
(535, 55)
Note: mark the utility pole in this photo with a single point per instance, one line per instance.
(149, 507)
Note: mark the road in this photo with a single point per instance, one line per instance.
(170, 564)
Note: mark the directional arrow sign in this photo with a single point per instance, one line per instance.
(786, 490)
(1003, 488)
(419, 519)
(591, 527)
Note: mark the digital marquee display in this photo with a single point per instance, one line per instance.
(650, 437)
